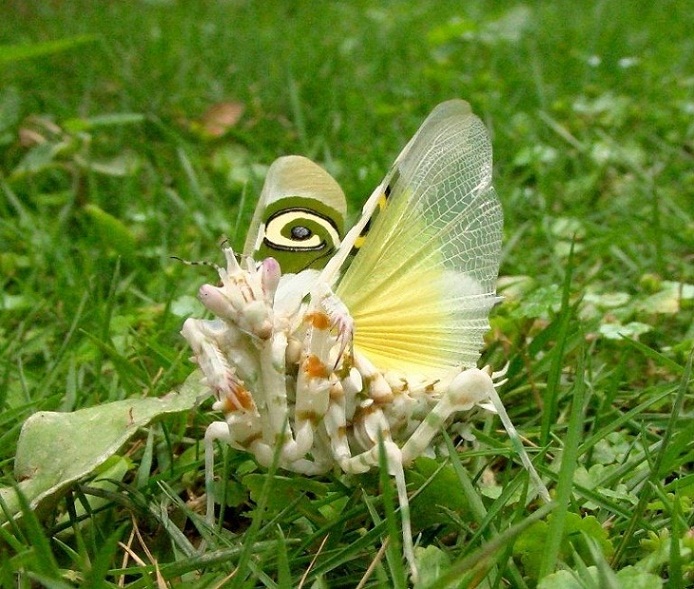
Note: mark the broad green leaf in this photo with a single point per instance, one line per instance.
(284, 489)
(234, 493)
(540, 302)
(628, 577)
(443, 493)
(56, 449)
(432, 562)
(632, 578)
(565, 580)
(114, 469)
(607, 300)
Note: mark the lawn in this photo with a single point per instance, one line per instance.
(134, 133)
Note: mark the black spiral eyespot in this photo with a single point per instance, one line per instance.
(300, 229)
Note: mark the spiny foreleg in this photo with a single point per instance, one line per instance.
(246, 296)
(317, 380)
(213, 359)
(342, 402)
(315, 377)
(294, 440)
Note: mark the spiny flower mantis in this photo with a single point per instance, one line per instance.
(319, 357)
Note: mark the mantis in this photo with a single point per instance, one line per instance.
(326, 347)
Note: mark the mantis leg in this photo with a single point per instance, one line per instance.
(470, 388)
(219, 430)
(370, 458)
(317, 382)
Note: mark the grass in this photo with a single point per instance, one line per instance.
(106, 172)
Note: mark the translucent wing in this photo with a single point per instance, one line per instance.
(299, 219)
(422, 284)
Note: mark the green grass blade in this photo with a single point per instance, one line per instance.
(101, 563)
(566, 471)
(655, 472)
(471, 566)
(249, 540)
(284, 576)
(43, 560)
(394, 548)
(551, 395)
(676, 573)
(10, 53)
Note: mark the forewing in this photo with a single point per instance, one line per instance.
(299, 219)
(422, 284)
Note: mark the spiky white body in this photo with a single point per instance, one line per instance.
(287, 384)
(320, 369)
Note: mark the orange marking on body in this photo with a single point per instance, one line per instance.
(430, 388)
(362, 412)
(237, 399)
(248, 441)
(318, 320)
(315, 368)
(311, 416)
(336, 391)
(245, 399)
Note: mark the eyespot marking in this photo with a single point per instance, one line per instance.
(290, 230)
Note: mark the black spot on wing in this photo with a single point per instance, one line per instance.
(382, 205)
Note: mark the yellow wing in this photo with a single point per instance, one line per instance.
(421, 286)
